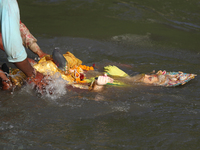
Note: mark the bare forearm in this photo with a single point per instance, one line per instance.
(36, 49)
(25, 67)
(29, 41)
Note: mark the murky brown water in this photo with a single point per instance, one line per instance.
(136, 36)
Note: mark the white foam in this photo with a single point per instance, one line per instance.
(56, 87)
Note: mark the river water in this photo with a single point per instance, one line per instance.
(138, 37)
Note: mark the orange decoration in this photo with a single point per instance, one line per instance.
(78, 79)
(86, 68)
(91, 68)
(78, 72)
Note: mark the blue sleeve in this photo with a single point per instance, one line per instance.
(10, 28)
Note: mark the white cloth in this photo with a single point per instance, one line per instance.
(10, 29)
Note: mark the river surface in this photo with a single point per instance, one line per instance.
(138, 37)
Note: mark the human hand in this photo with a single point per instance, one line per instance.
(38, 81)
(103, 80)
(42, 54)
(6, 85)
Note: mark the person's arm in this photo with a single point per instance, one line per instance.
(6, 83)
(25, 67)
(34, 76)
(30, 41)
(12, 41)
(11, 37)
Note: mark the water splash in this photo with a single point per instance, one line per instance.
(56, 87)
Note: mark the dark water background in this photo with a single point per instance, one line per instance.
(137, 36)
